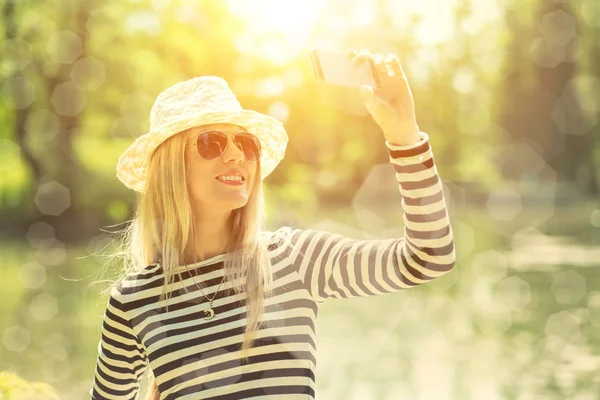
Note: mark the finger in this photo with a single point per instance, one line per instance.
(352, 53)
(366, 91)
(394, 62)
(364, 54)
(378, 60)
(374, 104)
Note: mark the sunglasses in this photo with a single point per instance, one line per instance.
(212, 143)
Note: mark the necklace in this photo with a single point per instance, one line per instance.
(209, 312)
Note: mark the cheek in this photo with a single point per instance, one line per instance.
(198, 175)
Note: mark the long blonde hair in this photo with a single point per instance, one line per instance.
(162, 229)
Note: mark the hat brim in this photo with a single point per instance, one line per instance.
(133, 163)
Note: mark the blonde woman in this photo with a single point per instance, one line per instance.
(210, 304)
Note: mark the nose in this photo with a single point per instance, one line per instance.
(233, 152)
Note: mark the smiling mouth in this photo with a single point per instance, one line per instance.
(232, 183)
(238, 181)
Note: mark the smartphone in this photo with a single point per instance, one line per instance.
(339, 69)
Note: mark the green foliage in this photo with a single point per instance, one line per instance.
(144, 47)
(476, 91)
(13, 387)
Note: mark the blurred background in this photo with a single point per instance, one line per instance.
(508, 91)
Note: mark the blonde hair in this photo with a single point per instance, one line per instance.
(162, 229)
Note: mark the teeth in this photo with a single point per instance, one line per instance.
(230, 178)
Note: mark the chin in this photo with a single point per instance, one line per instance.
(231, 204)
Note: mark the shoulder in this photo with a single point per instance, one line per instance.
(274, 235)
(277, 238)
(133, 281)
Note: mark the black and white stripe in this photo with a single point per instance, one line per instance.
(193, 358)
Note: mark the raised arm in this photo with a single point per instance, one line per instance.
(121, 357)
(333, 266)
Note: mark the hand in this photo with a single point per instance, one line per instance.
(395, 116)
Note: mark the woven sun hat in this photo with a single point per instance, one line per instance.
(199, 101)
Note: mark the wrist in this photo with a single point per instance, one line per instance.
(403, 137)
(405, 140)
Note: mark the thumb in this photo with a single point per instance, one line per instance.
(366, 92)
(374, 104)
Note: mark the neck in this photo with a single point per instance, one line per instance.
(212, 236)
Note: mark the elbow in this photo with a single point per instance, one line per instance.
(451, 255)
(449, 251)
(447, 257)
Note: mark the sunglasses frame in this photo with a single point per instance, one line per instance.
(195, 143)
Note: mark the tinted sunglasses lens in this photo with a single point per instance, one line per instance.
(211, 144)
(250, 145)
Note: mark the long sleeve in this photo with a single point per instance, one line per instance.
(333, 266)
(121, 357)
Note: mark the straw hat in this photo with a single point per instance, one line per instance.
(198, 101)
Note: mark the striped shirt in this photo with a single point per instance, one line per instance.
(194, 358)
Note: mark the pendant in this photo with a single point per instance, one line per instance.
(209, 313)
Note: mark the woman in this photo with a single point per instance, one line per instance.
(214, 306)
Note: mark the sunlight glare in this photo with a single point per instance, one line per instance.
(437, 21)
(278, 30)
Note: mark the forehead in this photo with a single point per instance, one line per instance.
(220, 126)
